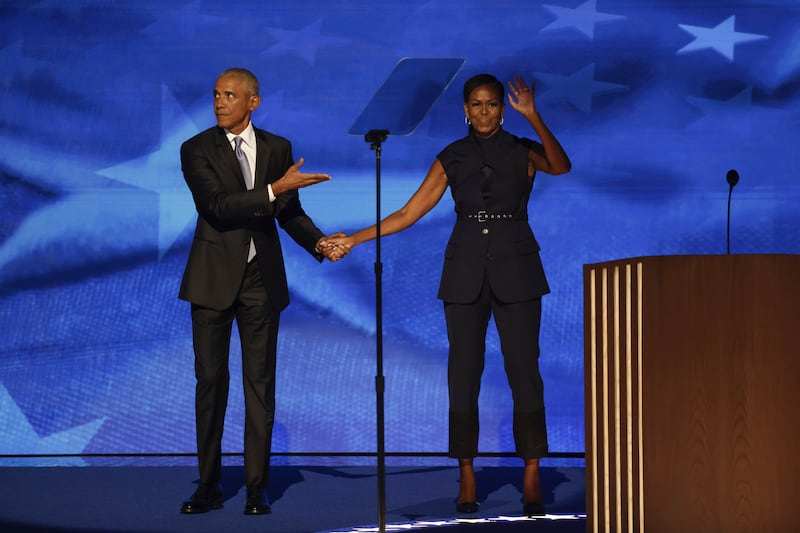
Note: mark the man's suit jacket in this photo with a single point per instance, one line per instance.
(229, 215)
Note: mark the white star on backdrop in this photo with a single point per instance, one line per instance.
(721, 38)
(578, 88)
(788, 62)
(737, 107)
(583, 18)
(160, 172)
(305, 42)
(19, 436)
(185, 21)
(94, 219)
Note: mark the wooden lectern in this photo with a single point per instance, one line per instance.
(692, 369)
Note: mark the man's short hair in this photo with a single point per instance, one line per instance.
(248, 76)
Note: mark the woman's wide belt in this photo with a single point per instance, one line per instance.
(489, 216)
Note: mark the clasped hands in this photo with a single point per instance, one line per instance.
(332, 247)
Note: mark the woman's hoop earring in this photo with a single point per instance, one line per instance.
(501, 121)
(467, 121)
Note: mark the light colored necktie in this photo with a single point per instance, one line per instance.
(243, 163)
(248, 180)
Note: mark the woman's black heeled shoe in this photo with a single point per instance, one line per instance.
(530, 509)
(467, 507)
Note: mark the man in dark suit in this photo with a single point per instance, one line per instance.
(242, 180)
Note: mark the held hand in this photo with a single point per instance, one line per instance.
(294, 179)
(342, 241)
(330, 249)
(521, 98)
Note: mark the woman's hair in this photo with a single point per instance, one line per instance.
(483, 79)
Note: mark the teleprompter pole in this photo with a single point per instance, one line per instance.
(375, 138)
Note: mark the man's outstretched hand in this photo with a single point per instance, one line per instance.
(294, 179)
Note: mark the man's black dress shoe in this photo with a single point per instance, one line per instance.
(256, 502)
(467, 507)
(204, 499)
(533, 509)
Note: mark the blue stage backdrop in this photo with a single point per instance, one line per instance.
(654, 101)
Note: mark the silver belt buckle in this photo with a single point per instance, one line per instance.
(482, 216)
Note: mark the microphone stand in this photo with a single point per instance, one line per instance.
(375, 138)
(732, 178)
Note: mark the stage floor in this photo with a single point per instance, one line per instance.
(128, 499)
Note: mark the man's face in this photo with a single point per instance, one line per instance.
(233, 102)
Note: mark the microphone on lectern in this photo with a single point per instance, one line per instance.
(732, 177)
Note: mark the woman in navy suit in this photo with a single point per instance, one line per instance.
(491, 267)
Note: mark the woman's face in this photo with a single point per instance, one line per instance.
(484, 108)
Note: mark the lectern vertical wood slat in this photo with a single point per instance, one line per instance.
(692, 375)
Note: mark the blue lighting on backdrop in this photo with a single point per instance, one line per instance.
(653, 100)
